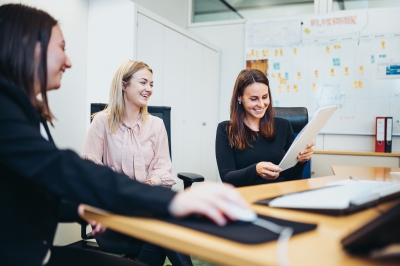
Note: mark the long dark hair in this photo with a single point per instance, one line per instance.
(239, 134)
(21, 29)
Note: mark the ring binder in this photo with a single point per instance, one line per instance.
(380, 134)
(389, 132)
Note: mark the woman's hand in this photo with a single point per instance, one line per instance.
(268, 170)
(97, 228)
(209, 199)
(307, 153)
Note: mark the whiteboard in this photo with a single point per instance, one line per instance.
(350, 59)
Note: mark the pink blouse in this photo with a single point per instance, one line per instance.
(139, 151)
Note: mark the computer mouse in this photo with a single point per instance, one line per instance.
(242, 213)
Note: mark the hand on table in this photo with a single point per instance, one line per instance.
(268, 170)
(307, 153)
(209, 199)
(97, 228)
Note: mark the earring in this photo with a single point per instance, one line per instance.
(240, 102)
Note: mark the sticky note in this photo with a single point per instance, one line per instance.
(295, 88)
(307, 31)
(281, 52)
(361, 70)
(265, 52)
(279, 89)
(276, 52)
(279, 75)
(383, 44)
(316, 73)
(355, 84)
(252, 52)
(288, 88)
(273, 75)
(346, 71)
(337, 46)
(294, 50)
(314, 87)
(372, 59)
(249, 56)
(336, 61)
(287, 76)
(298, 75)
(332, 72)
(360, 84)
(277, 66)
(327, 49)
(256, 54)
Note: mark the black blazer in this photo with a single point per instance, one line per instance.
(35, 176)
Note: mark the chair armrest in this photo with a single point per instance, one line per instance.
(84, 235)
(189, 178)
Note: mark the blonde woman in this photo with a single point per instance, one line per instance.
(128, 139)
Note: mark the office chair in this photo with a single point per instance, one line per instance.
(298, 118)
(163, 112)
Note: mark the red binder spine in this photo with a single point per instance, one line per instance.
(380, 128)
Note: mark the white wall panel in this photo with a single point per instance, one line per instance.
(174, 94)
(209, 107)
(150, 49)
(193, 107)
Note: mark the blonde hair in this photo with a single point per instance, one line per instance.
(116, 105)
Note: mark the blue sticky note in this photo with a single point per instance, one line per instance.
(277, 66)
(372, 59)
(287, 76)
(336, 61)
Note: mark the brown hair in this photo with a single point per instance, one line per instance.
(21, 29)
(239, 134)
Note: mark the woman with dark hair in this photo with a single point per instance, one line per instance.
(36, 177)
(250, 145)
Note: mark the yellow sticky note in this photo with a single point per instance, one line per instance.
(383, 44)
(265, 52)
(279, 75)
(361, 70)
(360, 84)
(355, 84)
(295, 88)
(306, 30)
(248, 56)
(314, 87)
(279, 89)
(288, 88)
(294, 50)
(337, 46)
(276, 52)
(328, 49)
(346, 71)
(256, 54)
(281, 52)
(252, 52)
(332, 72)
(316, 73)
(282, 81)
(298, 75)
(273, 75)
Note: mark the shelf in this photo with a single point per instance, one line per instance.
(359, 153)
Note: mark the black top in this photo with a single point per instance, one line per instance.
(35, 175)
(239, 167)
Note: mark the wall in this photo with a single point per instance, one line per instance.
(232, 61)
(175, 11)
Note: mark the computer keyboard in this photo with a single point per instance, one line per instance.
(349, 197)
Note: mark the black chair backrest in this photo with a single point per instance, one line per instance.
(297, 116)
(163, 112)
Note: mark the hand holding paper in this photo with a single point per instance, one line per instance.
(307, 153)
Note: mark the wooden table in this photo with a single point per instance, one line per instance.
(318, 247)
(366, 172)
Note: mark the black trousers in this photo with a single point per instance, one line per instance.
(147, 253)
(67, 256)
